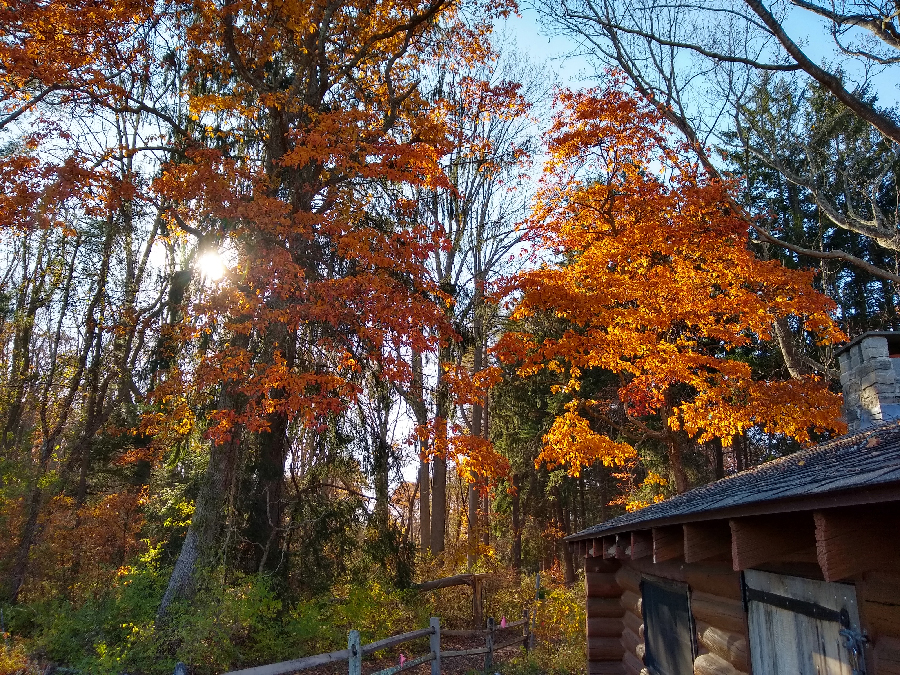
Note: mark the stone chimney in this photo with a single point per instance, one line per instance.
(870, 377)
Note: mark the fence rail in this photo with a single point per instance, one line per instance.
(355, 651)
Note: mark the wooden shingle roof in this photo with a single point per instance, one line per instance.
(863, 468)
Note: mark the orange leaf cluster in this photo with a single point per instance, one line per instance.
(655, 281)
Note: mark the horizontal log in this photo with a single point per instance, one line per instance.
(631, 642)
(600, 565)
(446, 582)
(634, 623)
(409, 663)
(765, 539)
(706, 540)
(668, 543)
(295, 664)
(604, 649)
(395, 640)
(641, 544)
(605, 668)
(602, 585)
(718, 580)
(464, 652)
(515, 642)
(632, 602)
(710, 664)
(886, 655)
(604, 627)
(629, 578)
(879, 597)
(730, 646)
(633, 665)
(842, 534)
(710, 577)
(510, 626)
(465, 633)
(604, 607)
(723, 613)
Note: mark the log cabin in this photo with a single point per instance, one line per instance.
(788, 568)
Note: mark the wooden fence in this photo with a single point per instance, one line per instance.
(355, 651)
(475, 581)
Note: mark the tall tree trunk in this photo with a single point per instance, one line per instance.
(583, 500)
(516, 524)
(424, 503)
(676, 461)
(439, 504)
(562, 518)
(439, 468)
(472, 543)
(718, 458)
(203, 543)
(486, 501)
(420, 411)
(381, 462)
(477, 431)
(264, 531)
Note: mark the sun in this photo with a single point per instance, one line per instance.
(211, 266)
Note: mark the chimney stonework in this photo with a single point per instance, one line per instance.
(870, 378)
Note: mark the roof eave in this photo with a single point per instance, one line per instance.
(856, 496)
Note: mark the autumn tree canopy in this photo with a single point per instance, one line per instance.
(653, 275)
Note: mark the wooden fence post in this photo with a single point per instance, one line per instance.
(526, 630)
(355, 660)
(434, 644)
(477, 603)
(489, 645)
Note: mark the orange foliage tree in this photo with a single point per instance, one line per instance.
(307, 117)
(656, 283)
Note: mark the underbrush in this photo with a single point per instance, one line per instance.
(229, 625)
(240, 621)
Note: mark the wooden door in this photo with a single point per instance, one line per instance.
(795, 625)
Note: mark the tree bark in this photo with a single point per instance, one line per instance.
(565, 525)
(516, 524)
(439, 469)
(439, 505)
(718, 458)
(424, 504)
(416, 401)
(203, 541)
(264, 530)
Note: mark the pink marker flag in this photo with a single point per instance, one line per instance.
(402, 659)
(503, 622)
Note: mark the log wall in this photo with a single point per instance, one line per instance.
(629, 579)
(615, 630)
(604, 617)
(715, 604)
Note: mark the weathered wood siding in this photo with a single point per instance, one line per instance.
(786, 641)
(878, 593)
